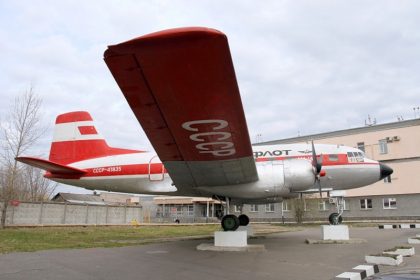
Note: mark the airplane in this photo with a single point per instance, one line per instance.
(181, 86)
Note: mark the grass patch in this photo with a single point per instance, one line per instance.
(45, 238)
(398, 247)
(385, 255)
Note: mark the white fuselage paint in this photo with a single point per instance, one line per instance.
(271, 186)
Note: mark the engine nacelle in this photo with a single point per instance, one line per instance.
(298, 175)
(281, 178)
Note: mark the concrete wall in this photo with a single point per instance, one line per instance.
(407, 208)
(47, 213)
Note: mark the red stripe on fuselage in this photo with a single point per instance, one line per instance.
(158, 168)
(133, 169)
(341, 160)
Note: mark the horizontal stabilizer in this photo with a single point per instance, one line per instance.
(52, 167)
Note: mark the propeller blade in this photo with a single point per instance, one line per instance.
(317, 166)
(318, 182)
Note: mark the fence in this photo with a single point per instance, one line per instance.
(49, 213)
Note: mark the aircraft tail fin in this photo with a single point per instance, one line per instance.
(76, 139)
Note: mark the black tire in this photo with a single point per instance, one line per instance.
(243, 220)
(335, 219)
(230, 223)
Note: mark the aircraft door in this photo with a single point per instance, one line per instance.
(156, 169)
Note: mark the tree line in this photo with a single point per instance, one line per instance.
(20, 130)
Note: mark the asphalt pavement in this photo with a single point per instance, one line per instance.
(287, 256)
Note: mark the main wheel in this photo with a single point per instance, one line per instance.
(243, 220)
(230, 223)
(335, 219)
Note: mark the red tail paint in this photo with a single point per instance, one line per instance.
(76, 139)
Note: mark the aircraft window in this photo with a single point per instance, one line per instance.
(359, 156)
(333, 157)
(354, 157)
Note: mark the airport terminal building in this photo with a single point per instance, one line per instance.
(396, 197)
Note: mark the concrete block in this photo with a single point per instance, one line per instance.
(387, 226)
(370, 269)
(230, 238)
(349, 276)
(414, 240)
(338, 232)
(407, 252)
(405, 226)
(384, 260)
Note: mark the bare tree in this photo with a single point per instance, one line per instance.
(298, 205)
(36, 186)
(20, 132)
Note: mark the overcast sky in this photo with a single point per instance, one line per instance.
(302, 66)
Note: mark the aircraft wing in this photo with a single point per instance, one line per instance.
(181, 86)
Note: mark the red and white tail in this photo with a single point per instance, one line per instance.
(76, 138)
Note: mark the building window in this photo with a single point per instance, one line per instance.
(323, 205)
(254, 208)
(285, 206)
(387, 179)
(269, 207)
(190, 210)
(237, 208)
(361, 146)
(383, 146)
(366, 203)
(390, 203)
(345, 205)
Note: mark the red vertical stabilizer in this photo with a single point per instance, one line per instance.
(76, 139)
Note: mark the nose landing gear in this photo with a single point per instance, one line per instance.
(336, 218)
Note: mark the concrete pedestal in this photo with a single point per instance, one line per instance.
(338, 232)
(231, 241)
(230, 238)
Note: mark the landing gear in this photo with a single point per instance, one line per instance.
(243, 220)
(230, 223)
(336, 218)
